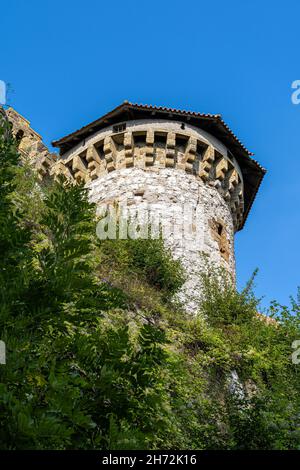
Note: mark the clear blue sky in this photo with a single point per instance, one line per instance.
(69, 62)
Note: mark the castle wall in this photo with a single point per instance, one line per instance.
(30, 144)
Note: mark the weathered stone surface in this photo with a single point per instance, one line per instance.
(30, 144)
(173, 193)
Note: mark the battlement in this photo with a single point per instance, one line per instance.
(30, 144)
(150, 145)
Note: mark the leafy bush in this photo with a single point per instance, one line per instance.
(147, 258)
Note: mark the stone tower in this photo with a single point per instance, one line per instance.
(188, 167)
(176, 162)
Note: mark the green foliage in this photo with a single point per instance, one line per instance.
(13, 238)
(222, 303)
(146, 258)
(65, 250)
(99, 356)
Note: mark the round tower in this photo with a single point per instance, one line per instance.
(186, 170)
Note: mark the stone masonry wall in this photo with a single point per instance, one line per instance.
(30, 144)
(169, 192)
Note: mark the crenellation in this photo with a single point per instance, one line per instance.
(221, 169)
(190, 154)
(30, 144)
(206, 163)
(110, 153)
(161, 149)
(170, 150)
(129, 149)
(149, 160)
(80, 169)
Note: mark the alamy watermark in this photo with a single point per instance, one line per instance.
(3, 92)
(296, 353)
(166, 220)
(2, 352)
(295, 96)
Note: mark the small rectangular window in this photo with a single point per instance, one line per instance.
(140, 138)
(160, 138)
(201, 147)
(181, 141)
(119, 127)
(99, 146)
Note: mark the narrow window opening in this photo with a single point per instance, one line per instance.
(218, 232)
(181, 141)
(100, 149)
(140, 139)
(19, 136)
(119, 141)
(201, 147)
(160, 138)
(82, 155)
(69, 165)
(119, 127)
(219, 229)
